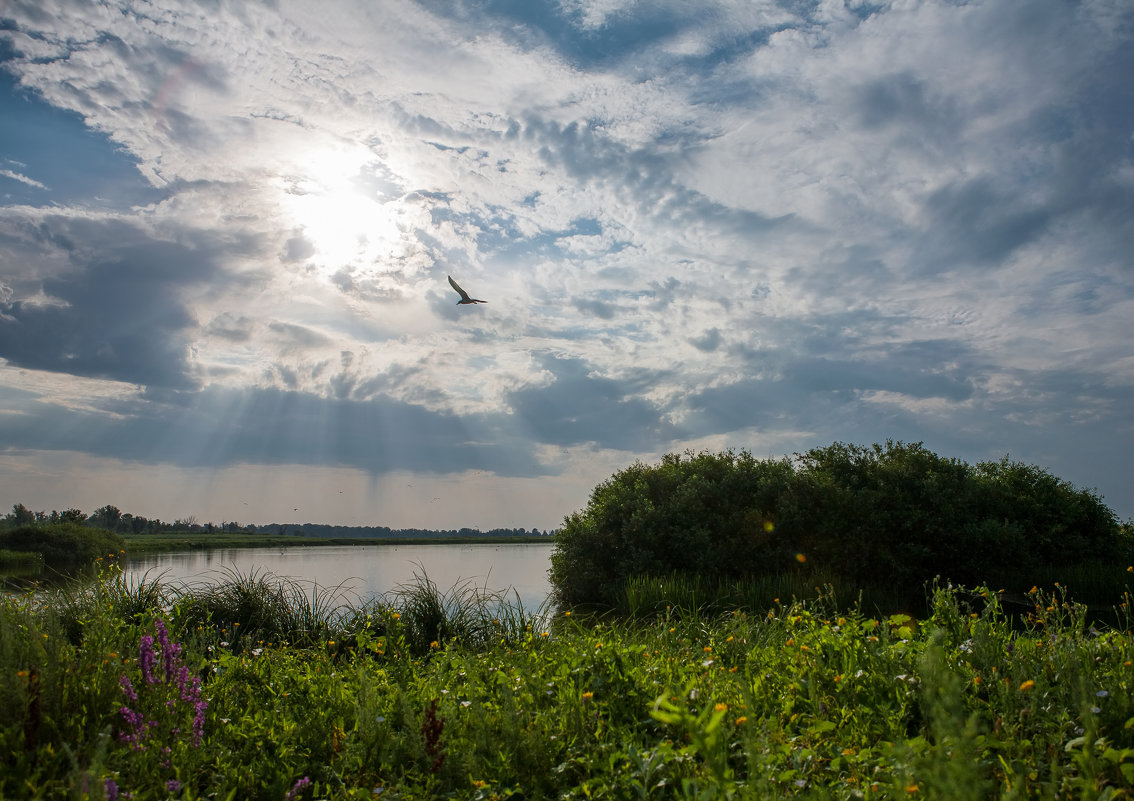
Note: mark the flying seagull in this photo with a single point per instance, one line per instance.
(464, 295)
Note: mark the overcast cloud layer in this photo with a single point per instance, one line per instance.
(225, 231)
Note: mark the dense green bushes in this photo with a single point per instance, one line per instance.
(62, 544)
(895, 515)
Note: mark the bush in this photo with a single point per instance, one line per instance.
(895, 515)
(63, 544)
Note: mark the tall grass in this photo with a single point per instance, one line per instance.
(431, 693)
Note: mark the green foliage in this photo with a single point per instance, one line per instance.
(63, 544)
(800, 701)
(886, 517)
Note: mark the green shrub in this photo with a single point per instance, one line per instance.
(893, 515)
(63, 544)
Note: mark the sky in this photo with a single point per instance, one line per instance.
(226, 228)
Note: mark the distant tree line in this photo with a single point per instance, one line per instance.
(323, 530)
(111, 518)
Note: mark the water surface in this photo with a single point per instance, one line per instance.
(365, 571)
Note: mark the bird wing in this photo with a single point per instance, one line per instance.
(464, 295)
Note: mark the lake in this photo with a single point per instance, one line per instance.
(365, 571)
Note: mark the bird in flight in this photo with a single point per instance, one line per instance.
(464, 295)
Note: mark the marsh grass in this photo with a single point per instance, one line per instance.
(644, 596)
(20, 561)
(446, 694)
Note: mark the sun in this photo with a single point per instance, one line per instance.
(332, 197)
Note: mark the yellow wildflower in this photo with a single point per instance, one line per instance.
(1027, 685)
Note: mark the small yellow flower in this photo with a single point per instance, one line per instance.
(911, 789)
(435, 644)
(842, 621)
(1027, 685)
(707, 648)
(976, 679)
(567, 613)
(721, 708)
(330, 642)
(588, 696)
(838, 678)
(396, 616)
(479, 784)
(543, 634)
(23, 674)
(730, 638)
(741, 720)
(598, 645)
(800, 558)
(848, 752)
(791, 641)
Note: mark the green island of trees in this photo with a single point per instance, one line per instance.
(884, 520)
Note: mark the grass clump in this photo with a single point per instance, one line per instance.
(431, 694)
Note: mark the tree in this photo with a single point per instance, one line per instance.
(20, 515)
(892, 516)
(106, 517)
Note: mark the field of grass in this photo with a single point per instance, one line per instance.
(254, 689)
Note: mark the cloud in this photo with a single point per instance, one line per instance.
(756, 223)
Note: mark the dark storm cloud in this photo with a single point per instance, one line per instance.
(116, 312)
(217, 427)
(579, 407)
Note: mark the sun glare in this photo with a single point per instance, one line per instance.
(341, 210)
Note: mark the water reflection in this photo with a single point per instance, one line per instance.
(365, 571)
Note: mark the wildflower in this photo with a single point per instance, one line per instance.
(296, 789)
(838, 678)
(911, 789)
(330, 642)
(479, 784)
(110, 787)
(567, 613)
(396, 616)
(23, 674)
(721, 708)
(435, 644)
(598, 645)
(587, 696)
(800, 558)
(976, 679)
(1027, 685)
(848, 752)
(707, 649)
(173, 785)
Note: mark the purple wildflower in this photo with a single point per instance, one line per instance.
(111, 788)
(128, 688)
(147, 659)
(297, 789)
(173, 785)
(170, 651)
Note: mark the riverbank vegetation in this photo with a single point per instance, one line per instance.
(258, 689)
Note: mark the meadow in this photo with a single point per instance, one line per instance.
(256, 689)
